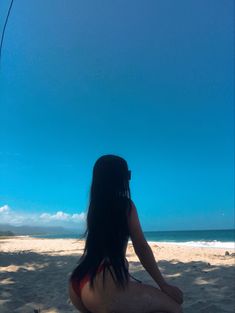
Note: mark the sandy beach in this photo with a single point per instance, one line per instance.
(34, 274)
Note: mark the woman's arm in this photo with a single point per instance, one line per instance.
(146, 257)
(142, 248)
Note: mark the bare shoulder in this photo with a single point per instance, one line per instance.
(135, 229)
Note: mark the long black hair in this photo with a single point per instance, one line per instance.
(107, 229)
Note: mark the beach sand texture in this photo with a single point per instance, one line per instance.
(34, 274)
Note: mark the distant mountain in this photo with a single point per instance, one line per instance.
(36, 230)
(6, 233)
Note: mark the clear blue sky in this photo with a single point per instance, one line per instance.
(151, 81)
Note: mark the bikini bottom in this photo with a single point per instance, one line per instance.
(77, 287)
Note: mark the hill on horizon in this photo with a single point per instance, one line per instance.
(36, 230)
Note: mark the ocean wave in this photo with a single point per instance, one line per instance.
(202, 244)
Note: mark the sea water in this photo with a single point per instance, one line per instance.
(196, 238)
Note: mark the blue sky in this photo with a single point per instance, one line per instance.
(149, 81)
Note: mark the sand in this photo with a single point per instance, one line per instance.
(34, 274)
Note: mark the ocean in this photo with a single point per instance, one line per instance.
(197, 238)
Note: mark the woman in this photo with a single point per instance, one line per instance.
(101, 282)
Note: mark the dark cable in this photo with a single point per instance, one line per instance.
(4, 28)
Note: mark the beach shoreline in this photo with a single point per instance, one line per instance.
(34, 274)
(213, 244)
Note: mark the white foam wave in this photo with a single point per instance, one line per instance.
(201, 244)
